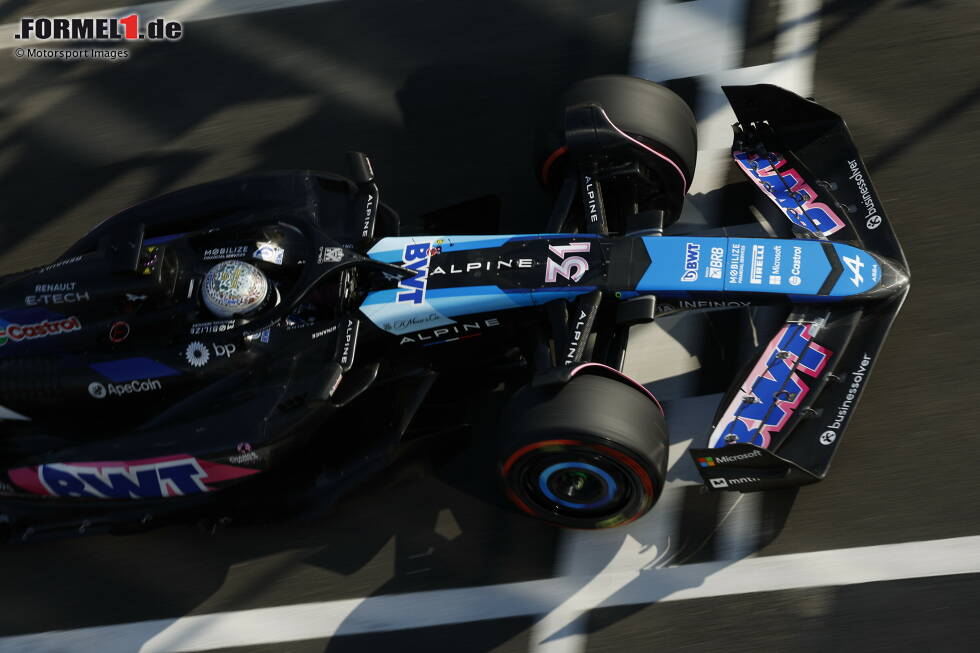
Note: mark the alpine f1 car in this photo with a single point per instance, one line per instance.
(198, 344)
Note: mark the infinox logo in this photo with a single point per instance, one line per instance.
(785, 186)
(170, 476)
(775, 389)
(18, 332)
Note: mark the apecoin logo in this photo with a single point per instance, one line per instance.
(103, 390)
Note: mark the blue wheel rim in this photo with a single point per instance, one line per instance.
(610, 485)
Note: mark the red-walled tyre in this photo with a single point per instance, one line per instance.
(589, 454)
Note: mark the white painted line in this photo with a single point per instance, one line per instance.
(6, 413)
(798, 26)
(704, 39)
(798, 23)
(183, 10)
(592, 556)
(674, 40)
(888, 562)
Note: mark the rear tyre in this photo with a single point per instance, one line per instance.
(591, 454)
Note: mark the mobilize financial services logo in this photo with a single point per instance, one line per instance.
(126, 28)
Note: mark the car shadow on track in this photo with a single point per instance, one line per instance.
(688, 536)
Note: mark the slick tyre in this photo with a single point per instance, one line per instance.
(590, 454)
(645, 111)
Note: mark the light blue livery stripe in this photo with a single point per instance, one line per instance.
(380, 297)
(475, 299)
(682, 264)
(758, 265)
(861, 271)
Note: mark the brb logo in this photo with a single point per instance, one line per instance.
(415, 259)
(788, 190)
(692, 260)
(776, 389)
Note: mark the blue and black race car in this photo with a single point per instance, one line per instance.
(243, 336)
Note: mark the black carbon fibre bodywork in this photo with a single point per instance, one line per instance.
(125, 403)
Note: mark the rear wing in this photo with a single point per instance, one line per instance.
(782, 422)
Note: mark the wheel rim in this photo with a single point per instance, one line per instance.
(575, 482)
(578, 485)
(616, 488)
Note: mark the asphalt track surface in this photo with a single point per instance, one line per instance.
(445, 97)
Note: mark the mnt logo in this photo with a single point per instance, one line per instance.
(776, 389)
(415, 259)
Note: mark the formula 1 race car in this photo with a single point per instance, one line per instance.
(199, 345)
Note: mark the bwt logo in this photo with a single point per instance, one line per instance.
(788, 190)
(692, 261)
(415, 259)
(777, 389)
(121, 481)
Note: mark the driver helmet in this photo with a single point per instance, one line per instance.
(234, 288)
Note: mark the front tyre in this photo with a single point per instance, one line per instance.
(591, 454)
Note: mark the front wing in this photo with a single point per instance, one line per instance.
(781, 424)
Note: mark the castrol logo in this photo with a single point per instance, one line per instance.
(18, 332)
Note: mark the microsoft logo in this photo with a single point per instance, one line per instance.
(706, 462)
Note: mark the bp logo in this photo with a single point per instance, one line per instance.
(197, 354)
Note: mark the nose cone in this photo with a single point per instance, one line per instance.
(234, 288)
(894, 277)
